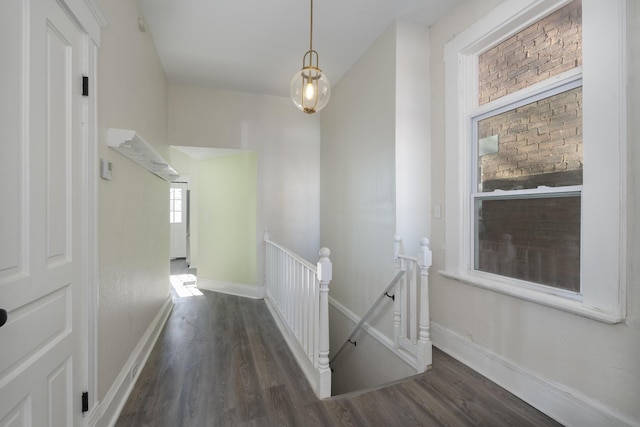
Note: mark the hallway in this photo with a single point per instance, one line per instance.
(221, 361)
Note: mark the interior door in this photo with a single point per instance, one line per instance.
(41, 231)
(178, 215)
(188, 213)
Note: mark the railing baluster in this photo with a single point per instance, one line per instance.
(311, 302)
(314, 320)
(413, 303)
(410, 308)
(404, 307)
(298, 291)
(397, 305)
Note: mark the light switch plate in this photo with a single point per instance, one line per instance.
(106, 169)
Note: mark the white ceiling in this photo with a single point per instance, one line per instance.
(257, 45)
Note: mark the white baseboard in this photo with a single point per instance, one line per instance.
(237, 289)
(560, 403)
(107, 412)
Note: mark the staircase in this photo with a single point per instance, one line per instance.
(297, 294)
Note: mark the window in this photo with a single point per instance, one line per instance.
(535, 154)
(527, 154)
(175, 205)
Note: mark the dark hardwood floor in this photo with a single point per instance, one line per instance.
(221, 361)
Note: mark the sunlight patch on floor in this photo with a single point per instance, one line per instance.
(185, 285)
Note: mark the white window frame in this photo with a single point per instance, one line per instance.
(172, 205)
(603, 241)
(545, 89)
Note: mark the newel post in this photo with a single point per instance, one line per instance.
(424, 260)
(325, 274)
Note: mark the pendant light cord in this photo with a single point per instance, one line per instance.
(311, 29)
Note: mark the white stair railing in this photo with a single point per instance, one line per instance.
(411, 305)
(410, 288)
(297, 294)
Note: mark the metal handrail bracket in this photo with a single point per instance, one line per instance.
(368, 314)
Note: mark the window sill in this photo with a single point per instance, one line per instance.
(549, 300)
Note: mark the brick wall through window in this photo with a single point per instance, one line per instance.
(545, 49)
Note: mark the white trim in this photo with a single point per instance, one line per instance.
(530, 193)
(237, 289)
(560, 403)
(603, 274)
(97, 12)
(548, 87)
(88, 14)
(605, 119)
(92, 180)
(387, 342)
(89, 18)
(533, 295)
(106, 413)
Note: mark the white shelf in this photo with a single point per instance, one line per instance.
(133, 146)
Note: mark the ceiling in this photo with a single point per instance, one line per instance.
(257, 45)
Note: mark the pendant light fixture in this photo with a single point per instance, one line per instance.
(310, 87)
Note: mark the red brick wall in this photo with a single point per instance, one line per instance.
(547, 48)
(536, 240)
(544, 137)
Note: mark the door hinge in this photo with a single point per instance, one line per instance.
(85, 86)
(85, 401)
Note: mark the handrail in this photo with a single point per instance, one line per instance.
(290, 253)
(369, 312)
(297, 294)
(411, 324)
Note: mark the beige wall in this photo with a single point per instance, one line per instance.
(374, 174)
(287, 145)
(133, 208)
(357, 197)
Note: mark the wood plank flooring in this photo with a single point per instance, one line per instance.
(221, 361)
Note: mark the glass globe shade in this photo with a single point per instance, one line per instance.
(310, 89)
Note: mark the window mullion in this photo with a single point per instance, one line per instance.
(541, 191)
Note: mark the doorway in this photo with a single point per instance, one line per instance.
(179, 220)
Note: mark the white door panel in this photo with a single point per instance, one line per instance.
(12, 103)
(41, 160)
(178, 219)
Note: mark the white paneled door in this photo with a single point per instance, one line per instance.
(178, 217)
(42, 54)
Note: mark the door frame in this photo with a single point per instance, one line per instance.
(90, 221)
(89, 18)
(183, 182)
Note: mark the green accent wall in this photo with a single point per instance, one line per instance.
(227, 195)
